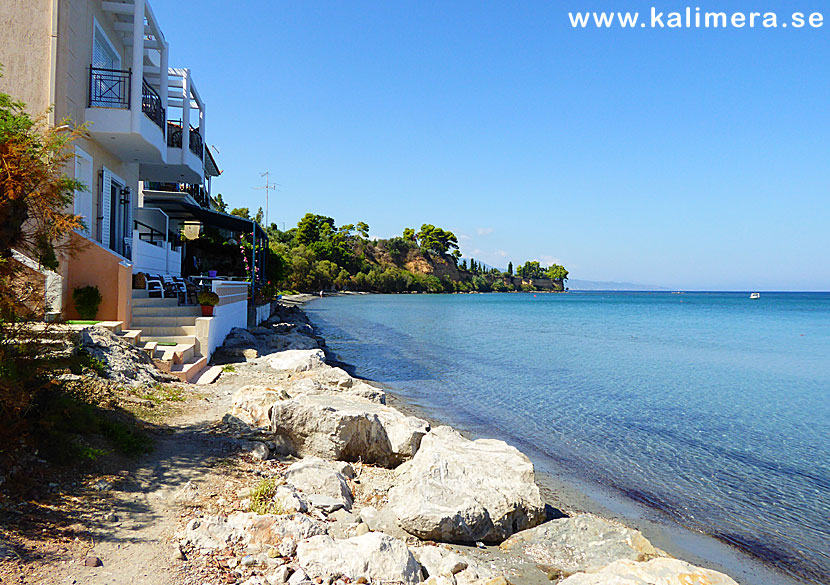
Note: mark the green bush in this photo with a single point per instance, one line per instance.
(87, 300)
(208, 298)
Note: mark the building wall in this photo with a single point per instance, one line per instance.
(97, 266)
(52, 71)
(26, 52)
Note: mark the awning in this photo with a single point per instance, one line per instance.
(211, 168)
(180, 209)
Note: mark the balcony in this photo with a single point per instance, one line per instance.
(185, 156)
(130, 135)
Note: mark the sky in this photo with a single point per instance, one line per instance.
(692, 159)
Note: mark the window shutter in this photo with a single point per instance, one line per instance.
(128, 231)
(105, 208)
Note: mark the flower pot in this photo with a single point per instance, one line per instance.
(207, 310)
(212, 273)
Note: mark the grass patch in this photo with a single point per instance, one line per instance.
(262, 498)
(82, 322)
(160, 393)
(229, 368)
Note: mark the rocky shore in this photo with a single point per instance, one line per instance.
(355, 491)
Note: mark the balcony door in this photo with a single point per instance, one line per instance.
(117, 208)
(109, 88)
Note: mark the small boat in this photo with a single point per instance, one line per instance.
(755, 296)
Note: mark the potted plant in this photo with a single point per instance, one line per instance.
(208, 300)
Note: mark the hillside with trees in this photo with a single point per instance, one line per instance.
(319, 255)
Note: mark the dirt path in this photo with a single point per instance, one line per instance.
(139, 509)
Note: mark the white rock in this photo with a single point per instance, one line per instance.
(374, 556)
(253, 404)
(259, 450)
(439, 561)
(344, 467)
(322, 381)
(325, 504)
(654, 572)
(582, 543)
(313, 476)
(287, 547)
(456, 490)
(279, 576)
(297, 360)
(297, 577)
(187, 493)
(340, 428)
(211, 532)
(289, 500)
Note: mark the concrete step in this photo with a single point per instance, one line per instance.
(168, 338)
(178, 354)
(153, 333)
(208, 375)
(155, 302)
(177, 311)
(131, 336)
(114, 326)
(149, 347)
(143, 321)
(189, 370)
(140, 294)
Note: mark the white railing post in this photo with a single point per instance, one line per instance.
(137, 81)
(185, 114)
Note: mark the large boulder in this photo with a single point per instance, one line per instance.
(583, 543)
(654, 572)
(457, 490)
(374, 556)
(313, 476)
(212, 532)
(293, 341)
(318, 382)
(297, 360)
(253, 404)
(347, 429)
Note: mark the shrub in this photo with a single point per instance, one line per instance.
(208, 298)
(262, 498)
(87, 300)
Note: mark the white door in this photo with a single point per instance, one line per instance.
(83, 197)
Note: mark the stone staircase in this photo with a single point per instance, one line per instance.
(168, 334)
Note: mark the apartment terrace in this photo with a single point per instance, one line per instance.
(127, 105)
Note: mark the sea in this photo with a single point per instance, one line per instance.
(709, 410)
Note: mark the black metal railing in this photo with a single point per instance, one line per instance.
(151, 104)
(174, 133)
(149, 233)
(109, 88)
(196, 145)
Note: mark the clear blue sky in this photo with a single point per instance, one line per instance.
(690, 159)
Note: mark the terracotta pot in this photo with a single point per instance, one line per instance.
(207, 310)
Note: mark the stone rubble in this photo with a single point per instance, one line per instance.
(377, 496)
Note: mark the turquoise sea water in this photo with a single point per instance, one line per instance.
(710, 407)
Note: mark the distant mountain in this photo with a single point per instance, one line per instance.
(575, 284)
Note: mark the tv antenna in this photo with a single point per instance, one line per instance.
(268, 187)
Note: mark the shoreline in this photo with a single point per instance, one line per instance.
(571, 494)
